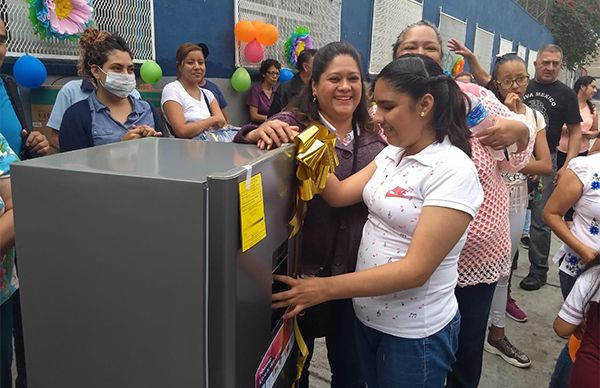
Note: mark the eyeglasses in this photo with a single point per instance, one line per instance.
(273, 73)
(508, 83)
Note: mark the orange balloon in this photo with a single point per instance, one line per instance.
(574, 344)
(257, 24)
(267, 34)
(245, 31)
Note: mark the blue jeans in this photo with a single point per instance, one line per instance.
(474, 304)
(539, 232)
(342, 353)
(390, 361)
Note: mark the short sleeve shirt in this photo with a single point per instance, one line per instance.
(8, 273)
(557, 103)
(586, 220)
(10, 127)
(214, 88)
(441, 175)
(193, 109)
(71, 92)
(259, 99)
(106, 130)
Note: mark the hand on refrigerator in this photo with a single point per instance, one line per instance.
(303, 294)
(272, 134)
(36, 142)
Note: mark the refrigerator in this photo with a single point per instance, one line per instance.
(132, 271)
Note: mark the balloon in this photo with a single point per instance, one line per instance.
(150, 72)
(267, 34)
(574, 344)
(29, 71)
(254, 52)
(245, 31)
(240, 80)
(285, 75)
(257, 24)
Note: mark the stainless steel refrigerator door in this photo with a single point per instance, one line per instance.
(112, 260)
(240, 314)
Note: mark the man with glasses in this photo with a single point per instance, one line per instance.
(558, 103)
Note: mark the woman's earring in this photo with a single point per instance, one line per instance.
(423, 114)
(314, 98)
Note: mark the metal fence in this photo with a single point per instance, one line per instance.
(132, 19)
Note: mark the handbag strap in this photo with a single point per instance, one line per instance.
(206, 101)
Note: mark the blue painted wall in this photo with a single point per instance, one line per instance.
(356, 26)
(208, 21)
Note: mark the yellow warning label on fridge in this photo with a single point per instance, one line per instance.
(252, 212)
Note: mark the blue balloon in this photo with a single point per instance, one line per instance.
(29, 72)
(285, 75)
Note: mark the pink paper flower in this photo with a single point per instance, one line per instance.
(68, 17)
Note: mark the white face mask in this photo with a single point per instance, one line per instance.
(121, 85)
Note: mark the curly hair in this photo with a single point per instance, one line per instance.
(266, 65)
(96, 46)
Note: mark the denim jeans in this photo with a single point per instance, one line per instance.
(539, 232)
(390, 361)
(342, 352)
(474, 304)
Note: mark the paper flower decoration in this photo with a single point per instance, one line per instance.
(296, 43)
(62, 19)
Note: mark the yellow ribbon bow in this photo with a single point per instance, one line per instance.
(316, 160)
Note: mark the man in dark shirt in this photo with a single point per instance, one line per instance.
(558, 103)
(288, 91)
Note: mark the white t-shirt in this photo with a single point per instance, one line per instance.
(586, 220)
(193, 110)
(584, 291)
(440, 175)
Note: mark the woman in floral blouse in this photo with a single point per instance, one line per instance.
(8, 275)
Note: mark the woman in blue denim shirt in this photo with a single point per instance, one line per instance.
(110, 114)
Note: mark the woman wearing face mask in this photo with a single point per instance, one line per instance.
(334, 97)
(189, 109)
(109, 114)
(403, 287)
(486, 253)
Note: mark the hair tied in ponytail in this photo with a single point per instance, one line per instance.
(438, 79)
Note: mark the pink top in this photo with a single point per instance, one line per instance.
(586, 125)
(486, 254)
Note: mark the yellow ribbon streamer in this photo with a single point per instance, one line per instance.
(316, 160)
(303, 352)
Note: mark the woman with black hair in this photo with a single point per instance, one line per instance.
(580, 316)
(403, 287)
(261, 94)
(334, 97)
(585, 87)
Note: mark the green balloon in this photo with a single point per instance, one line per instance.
(240, 80)
(151, 72)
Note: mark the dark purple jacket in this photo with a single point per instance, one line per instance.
(332, 234)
